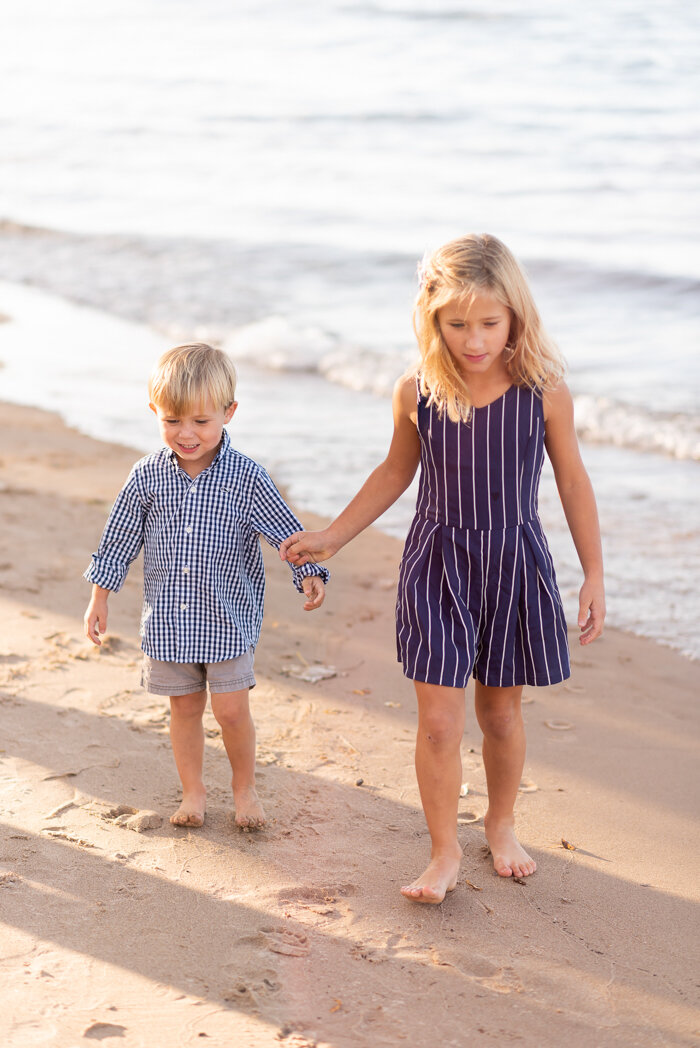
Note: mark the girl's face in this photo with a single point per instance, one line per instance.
(476, 334)
(195, 438)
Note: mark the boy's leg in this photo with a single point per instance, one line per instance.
(232, 711)
(439, 770)
(499, 715)
(187, 739)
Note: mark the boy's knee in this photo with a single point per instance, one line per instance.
(230, 715)
(191, 705)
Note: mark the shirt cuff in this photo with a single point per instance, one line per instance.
(108, 576)
(306, 570)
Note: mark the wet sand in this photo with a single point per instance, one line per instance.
(297, 935)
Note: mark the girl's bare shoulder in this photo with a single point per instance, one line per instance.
(405, 397)
(557, 403)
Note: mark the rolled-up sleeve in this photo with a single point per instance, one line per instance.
(272, 518)
(121, 540)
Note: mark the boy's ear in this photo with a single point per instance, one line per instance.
(153, 408)
(230, 411)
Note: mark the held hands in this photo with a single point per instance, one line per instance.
(591, 611)
(314, 591)
(307, 547)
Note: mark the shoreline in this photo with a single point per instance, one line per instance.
(61, 356)
(298, 935)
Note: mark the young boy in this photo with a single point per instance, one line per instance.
(198, 507)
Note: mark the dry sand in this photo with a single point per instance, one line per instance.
(298, 936)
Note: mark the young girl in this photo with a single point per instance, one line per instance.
(477, 592)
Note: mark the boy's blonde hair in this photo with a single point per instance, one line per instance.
(186, 377)
(460, 270)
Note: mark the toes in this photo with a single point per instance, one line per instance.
(187, 818)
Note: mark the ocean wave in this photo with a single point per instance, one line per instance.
(38, 255)
(601, 420)
(275, 344)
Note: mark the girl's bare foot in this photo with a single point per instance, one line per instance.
(509, 857)
(249, 811)
(439, 878)
(191, 811)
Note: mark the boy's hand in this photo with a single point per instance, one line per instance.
(95, 618)
(314, 591)
(307, 547)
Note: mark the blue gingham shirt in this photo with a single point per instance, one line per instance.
(204, 580)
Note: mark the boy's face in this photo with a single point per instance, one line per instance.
(194, 437)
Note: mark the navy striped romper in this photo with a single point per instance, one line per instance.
(477, 590)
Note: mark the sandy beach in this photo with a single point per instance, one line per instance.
(119, 928)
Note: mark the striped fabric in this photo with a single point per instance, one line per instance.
(477, 589)
(204, 580)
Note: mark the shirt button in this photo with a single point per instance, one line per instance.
(185, 571)
(183, 607)
(188, 530)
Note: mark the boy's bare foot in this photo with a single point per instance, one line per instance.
(439, 878)
(191, 811)
(509, 857)
(249, 811)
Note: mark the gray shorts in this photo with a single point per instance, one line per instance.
(183, 678)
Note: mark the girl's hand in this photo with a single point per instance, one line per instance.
(95, 619)
(314, 591)
(591, 611)
(307, 547)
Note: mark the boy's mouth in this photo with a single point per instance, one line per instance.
(188, 447)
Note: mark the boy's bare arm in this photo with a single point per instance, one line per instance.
(95, 618)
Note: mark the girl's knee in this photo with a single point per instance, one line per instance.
(500, 722)
(441, 730)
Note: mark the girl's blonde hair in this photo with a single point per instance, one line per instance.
(186, 377)
(460, 270)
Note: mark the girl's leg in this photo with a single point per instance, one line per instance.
(232, 711)
(500, 718)
(439, 770)
(187, 739)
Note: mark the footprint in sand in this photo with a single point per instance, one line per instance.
(248, 995)
(286, 942)
(473, 966)
(481, 969)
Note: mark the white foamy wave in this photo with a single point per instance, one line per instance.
(601, 420)
(276, 344)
